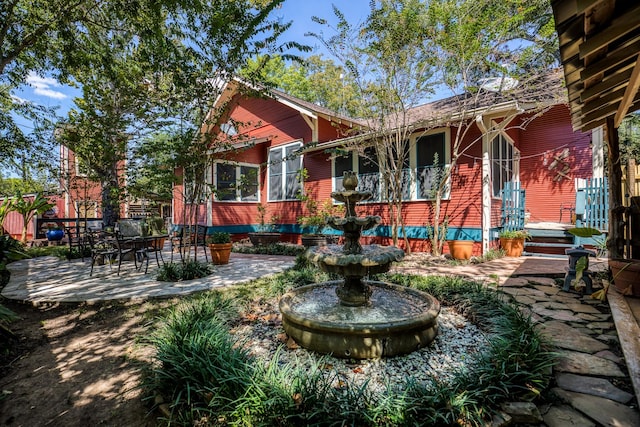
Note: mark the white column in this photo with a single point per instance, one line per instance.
(597, 152)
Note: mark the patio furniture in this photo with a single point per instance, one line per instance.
(182, 238)
(176, 236)
(102, 249)
(77, 240)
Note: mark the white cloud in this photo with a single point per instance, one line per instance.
(42, 86)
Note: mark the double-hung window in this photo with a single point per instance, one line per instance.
(236, 182)
(430, 164)
(424, 166)
(285, 164)
(504, 163)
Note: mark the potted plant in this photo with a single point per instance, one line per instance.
(512, 241)
(314, 222)
(220, 247)
(626, 275)
(266, 233)
(54, 232)
(460, 249)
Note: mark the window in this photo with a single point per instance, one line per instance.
(284, 167)
(430, 163)
(236, 182)
(504, 163)
(424, 165)
(82, 167)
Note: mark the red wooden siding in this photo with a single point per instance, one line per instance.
(544, 139)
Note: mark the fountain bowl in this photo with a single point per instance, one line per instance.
(373, 259)
(397, 320)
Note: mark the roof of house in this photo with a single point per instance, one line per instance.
(599, 45)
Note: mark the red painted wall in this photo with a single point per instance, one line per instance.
(544, 139)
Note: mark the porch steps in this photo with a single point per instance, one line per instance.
(548, 240)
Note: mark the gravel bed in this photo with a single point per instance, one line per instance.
(455, 348)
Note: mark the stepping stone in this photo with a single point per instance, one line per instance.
(514, 282)
(583, 308)
(564, 336)
(592, 386)
(604, 411)
(548, 290)
(606, 354)
(600, 325)
(548, 281)
(564, 315)
(589, 317)
(565, 416)
(523, 299)
(586, 364)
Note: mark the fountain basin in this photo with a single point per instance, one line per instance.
(397, 320)
(373, 259)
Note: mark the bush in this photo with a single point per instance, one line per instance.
(210, 380)
(188, 270)
(272, 249)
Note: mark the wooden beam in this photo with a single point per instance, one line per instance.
(612, 97)
(563, 10)
(613, 58)
(616, 81)
(616, 29)
(629, 95)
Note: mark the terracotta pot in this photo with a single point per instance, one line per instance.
(264, 238)
(220, 252)
(309, 240)
(626, 275)
(460, 249)
(512, 247)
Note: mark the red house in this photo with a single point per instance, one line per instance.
(524, 141)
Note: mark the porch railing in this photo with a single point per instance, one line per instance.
(592, 204)
(513, 212)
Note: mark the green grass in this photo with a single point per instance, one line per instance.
(210, 380)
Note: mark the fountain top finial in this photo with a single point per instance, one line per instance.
(350, 180)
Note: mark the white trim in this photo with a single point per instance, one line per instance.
(283, 148)
(412, 165)
(597, 152)
(237, 166)
(515, 158)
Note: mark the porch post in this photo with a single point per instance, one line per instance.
(486, 184)
(597, 152)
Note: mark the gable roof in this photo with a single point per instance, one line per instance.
(599, 45)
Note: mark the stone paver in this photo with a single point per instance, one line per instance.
(593, 386)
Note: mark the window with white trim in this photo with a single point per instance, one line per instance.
(430, 157)
(285, 164)
(425, 162)
(504, 163)
(236, 182)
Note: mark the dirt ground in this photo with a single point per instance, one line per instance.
(75, 365)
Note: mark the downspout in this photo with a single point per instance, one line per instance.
(486, 184)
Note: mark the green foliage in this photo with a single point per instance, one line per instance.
(584, 231)
(187, 270)
(206, 375)
(28, 207)
(219, 237)
(270, 249)
(514, 234)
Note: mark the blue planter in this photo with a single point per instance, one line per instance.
(54, 235)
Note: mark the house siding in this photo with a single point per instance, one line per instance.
(536, 137)
(544, 139)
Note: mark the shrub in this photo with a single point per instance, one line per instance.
(211, 380)
(219, 237)
(188, 270)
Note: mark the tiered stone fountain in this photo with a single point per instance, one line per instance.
(354, 317)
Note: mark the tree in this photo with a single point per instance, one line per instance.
(404, 50)
(313, 79)
(29, 207)
(42, 36)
